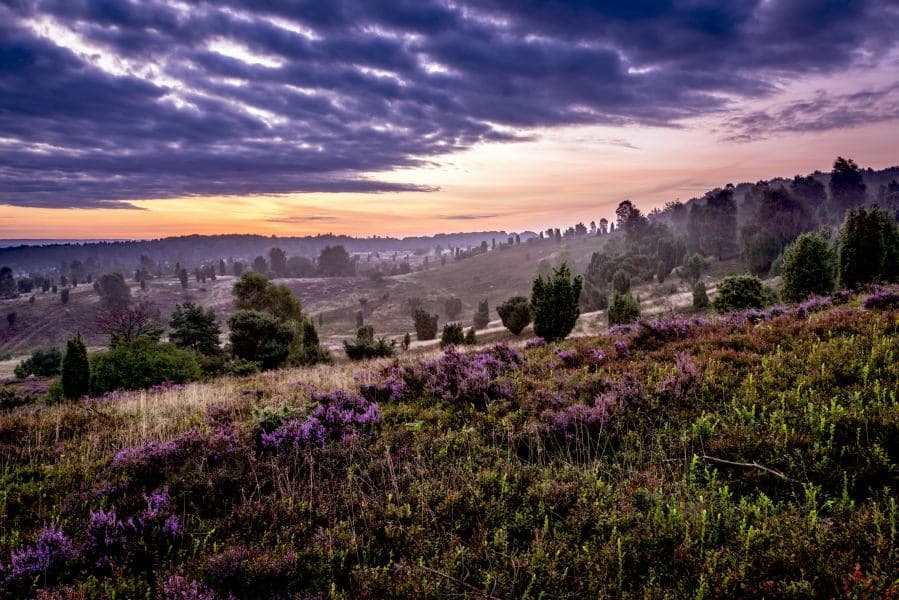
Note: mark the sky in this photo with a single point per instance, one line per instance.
(151, 118)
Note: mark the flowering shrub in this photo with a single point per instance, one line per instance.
(687, 376)
(111, 539)
(338, 416)
(811, 305)
(51, 550)
(472, 378)
(622, 348)
(535, 342)
(569, 358)
(179, 588)
(882, 299)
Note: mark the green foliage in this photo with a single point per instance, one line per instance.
(8, 288)
(452, 307)
(739, 292)
(692, 268)
(196, 329)
(43, 363)
(114, 292)
(869, 247)
(713, 224)
(623, 309)
(555, 303)
(75, 369)
(407, 341)
(260, 337)
(482, 315)
(808, 268)
(621, 282)
(425, 324)
(847, 187)
(471, 337)
(306, 349)
(139, 364)
(453, 335)
(334, 261)
(515, 314)
(700, 297)
(366, 346)
(255, 292)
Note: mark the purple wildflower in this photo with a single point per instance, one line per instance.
(179, 588)
(687, 375)
(535, 342)
(471, 378)
(622, 348)
(339, 416)
(569, 358)
(52, 549)
(882, 299)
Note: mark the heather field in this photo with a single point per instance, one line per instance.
(749, 455)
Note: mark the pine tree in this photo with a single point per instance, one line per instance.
(75, 369)
(555, 303)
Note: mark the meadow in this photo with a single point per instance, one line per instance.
(749, 455)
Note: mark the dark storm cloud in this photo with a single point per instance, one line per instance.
(151, 106)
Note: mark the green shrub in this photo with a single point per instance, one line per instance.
(555, 303)
(305, 349)
(740, 292)
(196, 329)
(453, 307)
(471, 338)
(114, 292)
(808, 268)
(482, 315)
(239, 367)
(260, 337)
(366, 346)
(700, 297)
(44, 363)
(453, 335)
(425, 324)
(515, 314)
(624, 309)
(75, 369)
(869, 247)
(141, 363)
(621, 282)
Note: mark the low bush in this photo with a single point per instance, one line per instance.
(140, 364)
(43, 363)
(741, 292)
(366, 346)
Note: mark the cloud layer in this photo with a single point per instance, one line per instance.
(105, 102)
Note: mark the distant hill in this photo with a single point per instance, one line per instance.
(31, 255)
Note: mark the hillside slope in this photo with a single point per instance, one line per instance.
(752, 456)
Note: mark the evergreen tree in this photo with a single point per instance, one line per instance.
(700, 297)
(808, 268)
(114, 292)
(847, 187)
(862, 248)
(482, 315)
(76, 372)
(621, 282)
(194, 328)
(515, 314)
(555, 303)
(623, 309)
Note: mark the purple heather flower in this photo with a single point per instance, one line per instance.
(52, 549)
(535, 342)
(179, 588)
(882, 299)
(569, 358)
(622, 348)
(339, 415)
